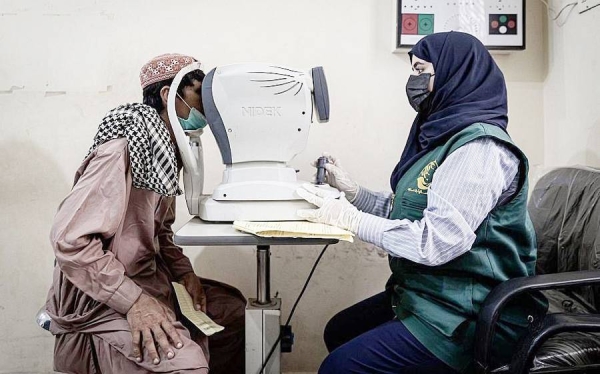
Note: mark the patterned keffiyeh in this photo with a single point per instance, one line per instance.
(151, 153)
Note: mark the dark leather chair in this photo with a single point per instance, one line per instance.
(565, 212)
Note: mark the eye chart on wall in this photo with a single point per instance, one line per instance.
(499, 24)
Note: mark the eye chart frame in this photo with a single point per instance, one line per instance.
(499, 24)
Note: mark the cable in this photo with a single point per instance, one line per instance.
(590, 8)
(572, 5)
(287, 323)
(555, 15)
(561, 24)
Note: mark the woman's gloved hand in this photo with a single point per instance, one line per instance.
(338, 177)
(335, 212)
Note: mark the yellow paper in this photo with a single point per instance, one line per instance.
(294, 229)
(197, 317)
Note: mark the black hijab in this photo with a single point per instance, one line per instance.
(468, 88)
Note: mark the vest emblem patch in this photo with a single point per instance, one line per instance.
(424, 179)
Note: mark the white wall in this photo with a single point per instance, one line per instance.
(64, 63)
(572, 91)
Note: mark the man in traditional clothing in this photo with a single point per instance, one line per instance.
(112, 305)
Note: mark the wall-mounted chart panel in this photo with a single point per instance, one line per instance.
(499, 24)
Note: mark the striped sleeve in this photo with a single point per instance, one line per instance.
(464, 189)
(376, 203)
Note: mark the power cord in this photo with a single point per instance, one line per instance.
(589, 8)
(572, 6)
(556, 16)
(287, 323)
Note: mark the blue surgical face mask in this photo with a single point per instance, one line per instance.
(195, 120)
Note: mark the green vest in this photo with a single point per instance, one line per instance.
(439, 304)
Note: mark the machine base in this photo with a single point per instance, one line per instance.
(229, 211)
(262, 330)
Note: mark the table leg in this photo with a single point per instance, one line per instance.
(263, 274)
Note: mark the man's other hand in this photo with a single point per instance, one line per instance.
(193, 286)
(151, 323)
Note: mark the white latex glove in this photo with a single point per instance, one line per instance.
(338, 178)
(335, 212)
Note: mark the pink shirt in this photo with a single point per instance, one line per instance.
(111, 242)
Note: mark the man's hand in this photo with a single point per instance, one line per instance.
(193, 286)
(151, 322)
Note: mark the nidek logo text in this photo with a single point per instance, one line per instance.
(257, 111)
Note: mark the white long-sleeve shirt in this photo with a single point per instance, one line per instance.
(469, 183)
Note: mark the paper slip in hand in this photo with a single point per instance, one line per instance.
(197, 317)
(294, 229)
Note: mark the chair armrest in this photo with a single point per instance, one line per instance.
(551, 325)
(501, 294)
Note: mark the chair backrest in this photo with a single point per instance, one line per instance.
(566, 215)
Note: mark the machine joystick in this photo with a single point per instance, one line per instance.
(321, 170)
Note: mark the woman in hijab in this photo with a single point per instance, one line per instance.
(455, 226)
